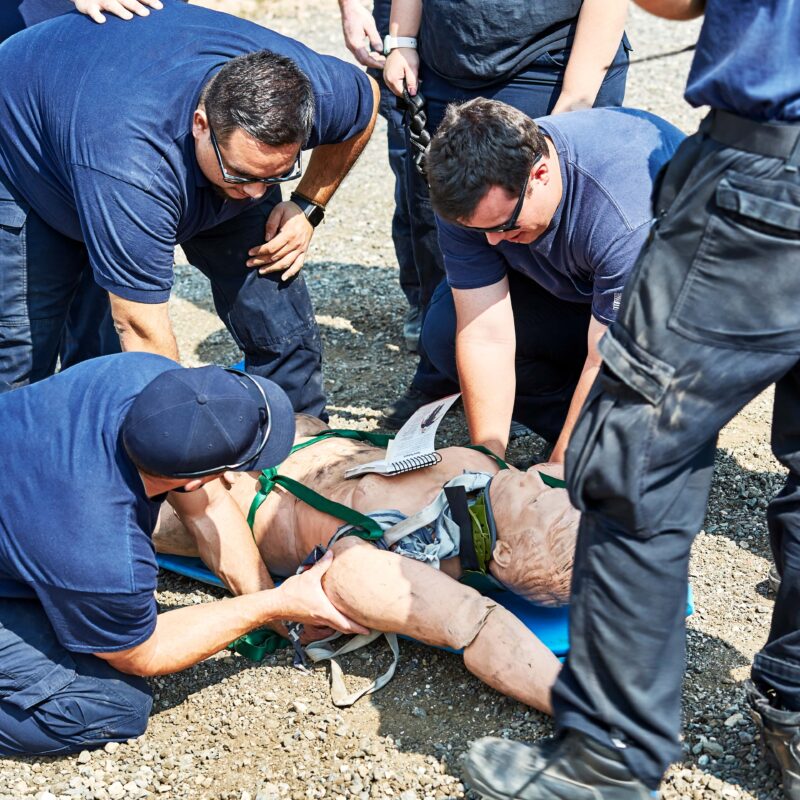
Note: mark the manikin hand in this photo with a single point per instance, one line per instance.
(125, 9)
(304, 600)
(402, 64)
(358, 26)
(286, 239)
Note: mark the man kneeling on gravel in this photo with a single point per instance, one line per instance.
(423, 530)
(89, 456)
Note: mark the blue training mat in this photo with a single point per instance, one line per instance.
(549, 624)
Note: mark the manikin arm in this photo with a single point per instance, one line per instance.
(388, 592)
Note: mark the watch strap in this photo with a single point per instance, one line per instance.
(393, 42)
(314, 212)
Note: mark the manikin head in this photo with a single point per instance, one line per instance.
(490, 168)
(536, 531)
(253, 118)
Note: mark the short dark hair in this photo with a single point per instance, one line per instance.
(480, 144)
(265, 94)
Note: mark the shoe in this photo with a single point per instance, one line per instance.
(396, 415)
(773, 580)
(569, 767)
(518, 430)
(412, 328)
(780, 735)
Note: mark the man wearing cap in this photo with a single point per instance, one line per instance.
(131, 137)
(90, 455)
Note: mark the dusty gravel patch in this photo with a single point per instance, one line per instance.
(232, 730)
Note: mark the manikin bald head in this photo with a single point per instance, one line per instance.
(536, 531)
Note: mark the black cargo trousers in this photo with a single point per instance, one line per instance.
(710, 318)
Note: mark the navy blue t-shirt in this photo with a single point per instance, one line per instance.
(748, 59)
(99, 138)
(16, 15)
(75, 522)
(609, 159)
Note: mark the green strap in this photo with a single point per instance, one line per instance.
(270, 478)
(547, 480)
(257, 645)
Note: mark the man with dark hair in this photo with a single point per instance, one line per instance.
(709, 321)
(540, 224)
(170, 129)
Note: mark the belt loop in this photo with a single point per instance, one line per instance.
(793, 162)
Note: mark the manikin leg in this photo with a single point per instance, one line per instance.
(390, 593)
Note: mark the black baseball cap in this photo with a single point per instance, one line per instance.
(188, 423)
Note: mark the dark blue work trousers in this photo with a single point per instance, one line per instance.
(401, 215)
(709, 319)
(44, 279)
(534, 91)
(551, 349)
(53, 701)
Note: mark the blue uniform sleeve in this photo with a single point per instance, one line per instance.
(344, 102)
(469, 260)
(87, 622)
(613, 267)
(130, 234)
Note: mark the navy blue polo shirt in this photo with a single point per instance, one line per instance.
(609, 159)
(75, 522)
(99, 138)
(748, 59)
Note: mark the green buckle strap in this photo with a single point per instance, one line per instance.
(547, 480)
(270, 478)
(257, 645)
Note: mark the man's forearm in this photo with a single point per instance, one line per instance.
(488, 383)
(601, 24)
(187, 635)
(405, 18)
(674, 9)
(330, 163)
(591, 368)
(143, 327)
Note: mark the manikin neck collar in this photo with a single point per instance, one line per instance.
(476, 524)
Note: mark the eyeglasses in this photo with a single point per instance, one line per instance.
(266, 411)
(511, 223)
(295, 172)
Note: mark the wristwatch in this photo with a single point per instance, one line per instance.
(314, 213)
(393, 42)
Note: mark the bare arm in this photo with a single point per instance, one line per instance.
(601, 24)
(674, 9)
(187, 635)
(590, 369)
(144, 327)
(223, 538)
(120, 8)
(358, 27)
(288, 232)
(403, 63)
(485, 350)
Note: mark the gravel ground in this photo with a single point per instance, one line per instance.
(232, 730)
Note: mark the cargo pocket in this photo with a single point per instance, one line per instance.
(743, 286)
(609, 451)
(13, 264)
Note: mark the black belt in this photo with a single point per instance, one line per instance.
(771, 139)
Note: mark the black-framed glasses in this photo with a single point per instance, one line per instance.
(511, 223)
(295, 172)
(202, 473)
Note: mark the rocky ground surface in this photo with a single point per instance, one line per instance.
(233, 730)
